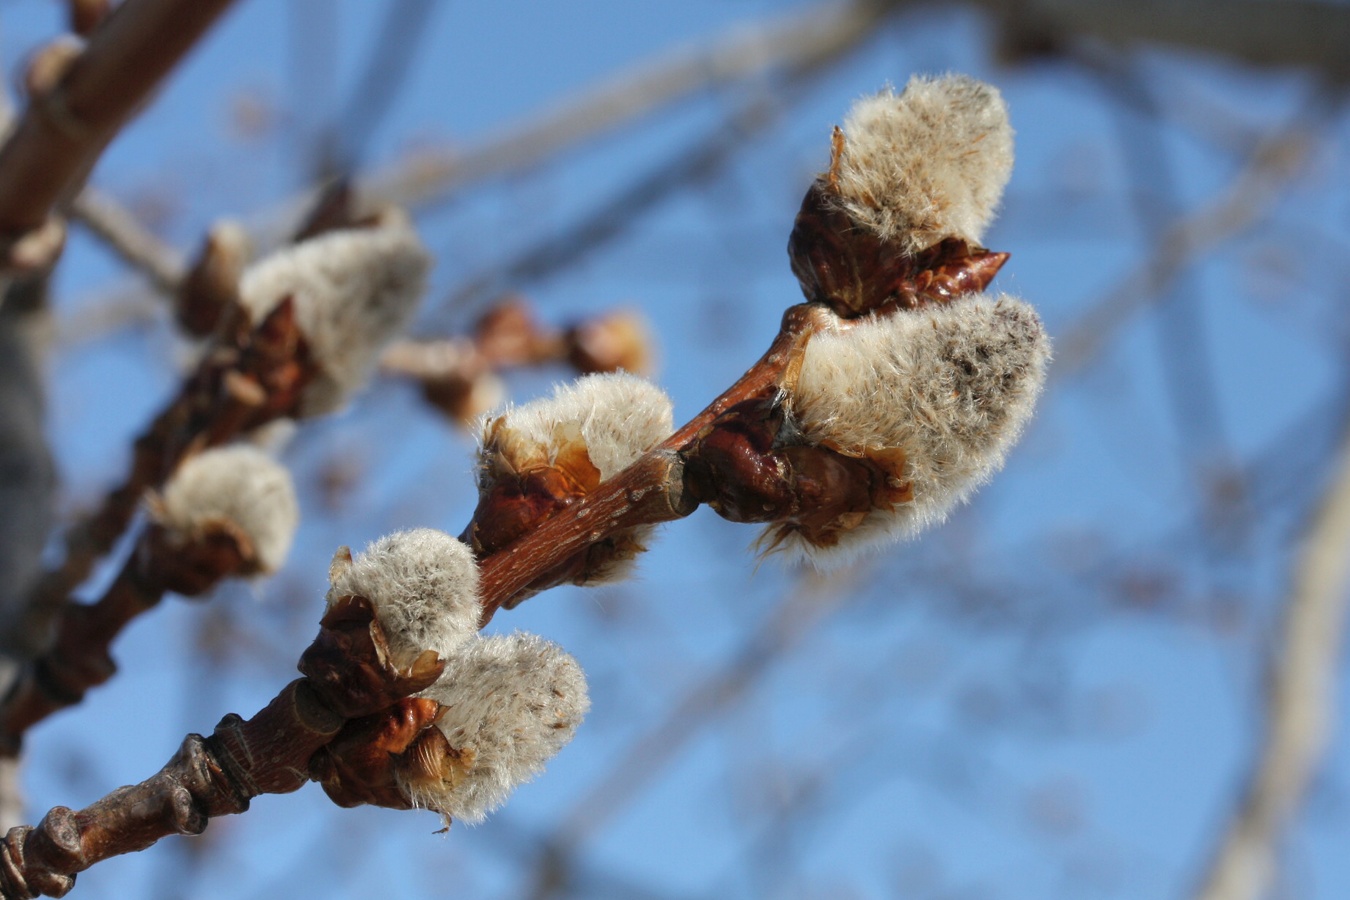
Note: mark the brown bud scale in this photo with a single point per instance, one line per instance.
(348, 663)
(363, 763)
(750, 466)
(855, 272)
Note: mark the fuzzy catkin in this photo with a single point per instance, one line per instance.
(240, 485)
(951, 385)
(926, 164)
(607, 419)
(423, 585)
(353, 289)
(511, 703)
(618, 416)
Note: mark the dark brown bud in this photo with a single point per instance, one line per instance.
(515, 504)
(611, 342)
(35, 251)
(508, 335)
(856, 271)
(193, 567)
(85, 15)
(363, 764)
(513, 501)
(276, 356)
(212, 283)
(750, 466)
(349, 665)
(333, 209)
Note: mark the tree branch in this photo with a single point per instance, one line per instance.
(235, 388)
(80, 656)
(1286, 33)
(63, 130)
(128, 238)
(1300, 703)
(347, 677)
(1249, 196)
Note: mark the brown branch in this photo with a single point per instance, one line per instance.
(749, 476)
(207, 777)
(86, 15)
(646, 493)
(1292, 32)
(236, 388)
(367, 725)
(80, 656)
(63, 130)
(347, 679)
(1300, 704)
(650, 491)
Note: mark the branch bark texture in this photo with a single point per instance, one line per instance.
(64, 130)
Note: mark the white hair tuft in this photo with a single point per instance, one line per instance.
(928, 163)
(950, 385)
(511, 703)
(240, 485)
(353, 290)
(423, 585)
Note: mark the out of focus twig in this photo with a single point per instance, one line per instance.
(1300, 703)
(1289, 33)
(1252, 193)
(63, 130)
(124, 234)
(459, 375)
(815, 598)
(393, 53)
(795, 41)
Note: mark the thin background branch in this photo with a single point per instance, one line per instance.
(1301, 703)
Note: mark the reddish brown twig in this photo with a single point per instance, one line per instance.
(347, 678)
(86, 15)
(349, 722)
(239, 386)
(65, 128)
(80, 656)
(650, 491)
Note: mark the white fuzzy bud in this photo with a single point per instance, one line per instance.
(423, 585)
(588, 431)
(927, 164)
(239, 485)
(617, 417)
(353, 290)
(511, 703)
(951, 386)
